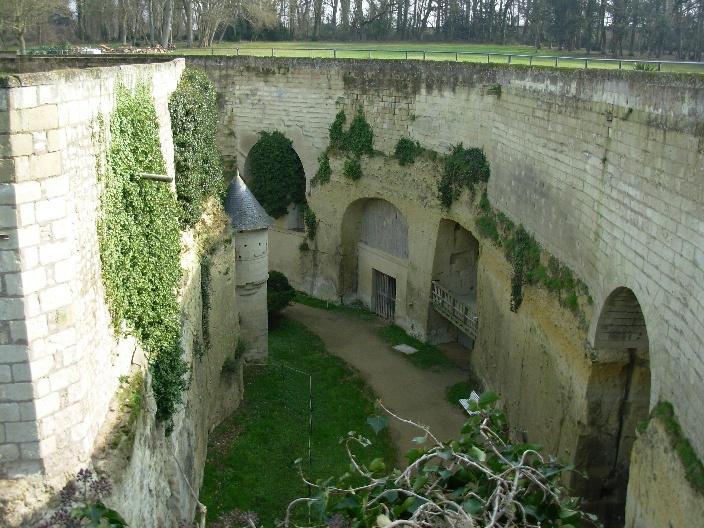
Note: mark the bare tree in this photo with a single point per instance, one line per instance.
(20, 15)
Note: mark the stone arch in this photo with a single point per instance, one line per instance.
(455, 266)
(294, 218)
(618, 397)
(374, 243)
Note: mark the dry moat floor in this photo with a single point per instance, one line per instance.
(406, 390)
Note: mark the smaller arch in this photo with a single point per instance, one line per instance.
(621, 323)
(618, 397)
(374, 264)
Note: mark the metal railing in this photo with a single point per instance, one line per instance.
(454, 310)
(463, 56)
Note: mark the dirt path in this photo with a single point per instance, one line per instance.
(408, 391)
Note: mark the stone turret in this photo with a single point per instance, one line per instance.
(251, 224)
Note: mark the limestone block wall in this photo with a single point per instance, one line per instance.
(604, 168)
(59, 360)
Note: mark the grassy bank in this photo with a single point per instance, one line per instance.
(250, 456)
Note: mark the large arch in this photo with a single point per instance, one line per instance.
(294, 217)
(618, 397)
(374, 247)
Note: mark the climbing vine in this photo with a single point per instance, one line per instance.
(358, 139)
(199, 172)
(407, 151)
(530, 264)
(138, 232)
(463, 168)
(352, 169)
(277, 175)
(310, 221)
(324, 170)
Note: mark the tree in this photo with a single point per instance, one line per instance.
(22, 14)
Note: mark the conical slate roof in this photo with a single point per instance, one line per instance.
(243, 208)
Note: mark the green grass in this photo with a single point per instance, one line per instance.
(250, 456)
(355, 310)
(459, 391)
(435, 51)
(427, 358)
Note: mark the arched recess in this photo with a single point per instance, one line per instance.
(374, 264)
(618, 397)
(455, 267)
(284, 161)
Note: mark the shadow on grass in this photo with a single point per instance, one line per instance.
(251, 455)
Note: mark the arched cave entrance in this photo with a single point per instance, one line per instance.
(618, 397)
(274, 173)
(453, 309)
(374, 269)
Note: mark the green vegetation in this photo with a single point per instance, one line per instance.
(529, 261)
(139, 241)
(356, 310)
(407, 151)
(205, 301)
(463, 168)
(358, 139)
(277, 175)
(427, 358)
(693, 467)
(279, 293)
(324, 171)
(352, 169)
(251, 455)
(310, 221)
(194, 115)
(480, 479)
(459, 391)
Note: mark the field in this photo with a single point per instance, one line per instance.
(494, 54)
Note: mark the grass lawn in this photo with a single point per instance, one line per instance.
(250, 455)
(524, 55)
(427, 358)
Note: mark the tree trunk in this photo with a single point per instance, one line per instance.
(166, 25)
(188, 8)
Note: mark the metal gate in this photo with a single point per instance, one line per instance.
(384, 295)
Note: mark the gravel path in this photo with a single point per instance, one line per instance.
(406, 390)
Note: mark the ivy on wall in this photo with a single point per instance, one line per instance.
(139, 241)
(463, 168)
(531, 264)
(277, 175)
(199, 173)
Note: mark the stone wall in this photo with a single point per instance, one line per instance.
(60, 361)
(604, 168)
(55, 387)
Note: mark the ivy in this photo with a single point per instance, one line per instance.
(324, 171)
(352, 169)
(527, 259)
(139, 241)
(463, 168)
(407, 151)
(279, 292)
(277, 175)
(205, 296)
(359, 139)
(199, 172)
(310, 221)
